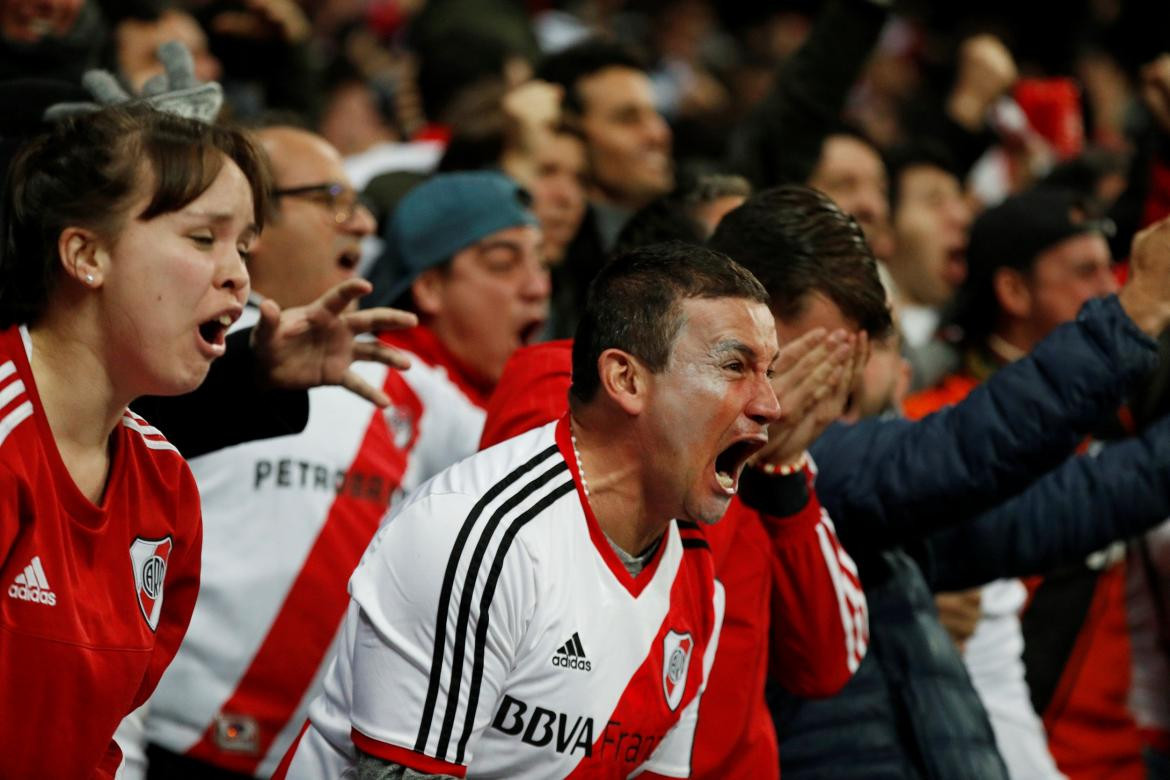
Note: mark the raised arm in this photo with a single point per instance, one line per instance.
(887, 482)
(781, 141)
(1081, 507)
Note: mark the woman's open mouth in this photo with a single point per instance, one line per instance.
(213, 332)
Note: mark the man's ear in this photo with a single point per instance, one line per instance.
(428, 292)
(83, 256)
(1012, 292)
(624, 379)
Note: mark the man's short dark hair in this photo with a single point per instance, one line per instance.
(923, 153)
(798, 242)
(663, 219)
(635, 305)
(568, 67)
(456, 61)
(799, 168)
(672, 217)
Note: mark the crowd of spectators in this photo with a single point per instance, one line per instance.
(958, 216)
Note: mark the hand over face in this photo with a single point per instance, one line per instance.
(813, 379)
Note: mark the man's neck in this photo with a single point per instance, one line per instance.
(612, 467)
(901, 273)
(1011, 342)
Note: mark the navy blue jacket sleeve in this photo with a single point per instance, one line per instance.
(1081, 507)
(889, 482)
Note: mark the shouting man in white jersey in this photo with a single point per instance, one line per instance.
(547, 608)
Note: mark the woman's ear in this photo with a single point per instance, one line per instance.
(82, 256)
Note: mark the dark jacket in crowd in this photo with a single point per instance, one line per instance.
(949, 502)
(231, 407)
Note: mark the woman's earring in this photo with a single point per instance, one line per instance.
(89, 278)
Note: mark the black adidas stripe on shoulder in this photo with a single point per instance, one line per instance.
(481, 628)
(467, 596)
(692, 535)
(514, 477)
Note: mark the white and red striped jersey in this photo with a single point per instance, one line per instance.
(494, 632)
(1148, 617)
(794, 603)
(96, 597)
(285, 522)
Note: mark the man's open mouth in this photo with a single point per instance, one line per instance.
(729, 463)
(349, 259)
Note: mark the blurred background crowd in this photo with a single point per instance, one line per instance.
(999, 157)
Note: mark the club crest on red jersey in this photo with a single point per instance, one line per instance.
(149, 559)
(676, 661)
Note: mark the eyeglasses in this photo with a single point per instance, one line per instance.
(341, 200)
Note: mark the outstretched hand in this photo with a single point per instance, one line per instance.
(813, 379)
(312, 345)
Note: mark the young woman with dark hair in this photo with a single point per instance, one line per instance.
(123, 264)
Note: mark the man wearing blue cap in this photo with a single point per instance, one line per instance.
(463, 252)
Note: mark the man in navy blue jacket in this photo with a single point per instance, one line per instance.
(981, 468)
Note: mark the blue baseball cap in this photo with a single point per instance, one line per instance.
(443, 215)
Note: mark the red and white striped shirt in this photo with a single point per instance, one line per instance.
(795, 606)
(95, 598)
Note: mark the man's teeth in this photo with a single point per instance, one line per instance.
(225, 320)
(725, 480)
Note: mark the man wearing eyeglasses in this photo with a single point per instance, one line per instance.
(314, 238)
(286, 519)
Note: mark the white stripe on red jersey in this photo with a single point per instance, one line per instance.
(94, 598)
(454, 652)
(850, 597)
(1148, 617)
(152, 437)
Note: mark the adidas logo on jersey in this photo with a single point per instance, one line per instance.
(571, 655)
(33, 585)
